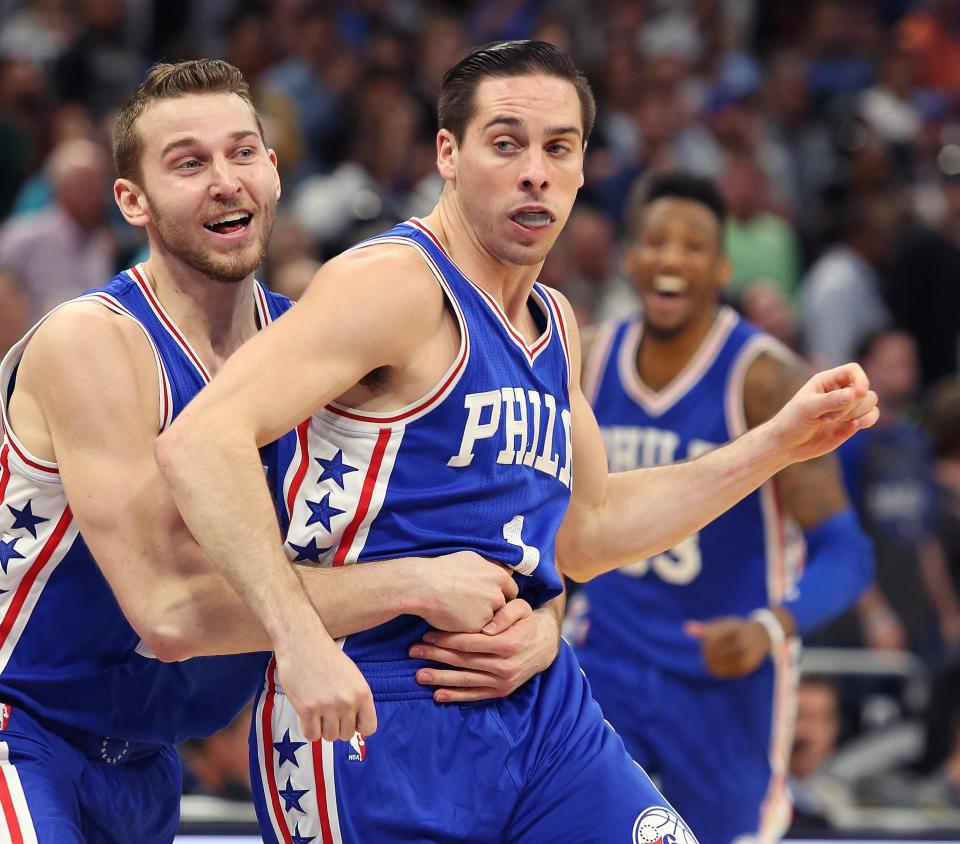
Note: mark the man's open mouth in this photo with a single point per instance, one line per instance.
(229, 223)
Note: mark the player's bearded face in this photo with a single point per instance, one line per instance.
(186, 241)
(210, 184)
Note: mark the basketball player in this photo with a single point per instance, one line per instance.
(689, 652)
(99, 575)
(447, 380)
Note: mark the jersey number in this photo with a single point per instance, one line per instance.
(679, 566)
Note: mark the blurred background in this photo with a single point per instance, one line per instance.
(833, 130)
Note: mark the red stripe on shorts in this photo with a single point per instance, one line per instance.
(9, 812)
(267, 728)
(321, 783)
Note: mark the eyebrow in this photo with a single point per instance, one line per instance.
(504, 120)
(191, 141)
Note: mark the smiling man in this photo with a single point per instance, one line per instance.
(432, 364)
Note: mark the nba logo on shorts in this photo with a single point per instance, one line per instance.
(359, 745)
(5, 710)
(659, 825)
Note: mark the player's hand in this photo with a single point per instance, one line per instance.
(827, 410)
(326, 689)
(732, 647)
(462, 592)
(490, 665)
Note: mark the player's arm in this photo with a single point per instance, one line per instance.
(101, 411)
(839, 558)
(364, 310)
(615, 519)
(519, 643)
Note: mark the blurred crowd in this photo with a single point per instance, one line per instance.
(831, 126)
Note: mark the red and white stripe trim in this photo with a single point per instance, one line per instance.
(19, 604)
(319, 817)
(658, 402)
(446, 383)
(532, 351)
(138, 275)
(355, 534)
(17, 826)
(596, 364)
(562, 323)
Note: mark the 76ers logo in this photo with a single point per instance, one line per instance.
(359, 745)
(658, 825)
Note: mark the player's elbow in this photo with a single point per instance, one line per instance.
(173, 449)
(575, 561)
(162, 640)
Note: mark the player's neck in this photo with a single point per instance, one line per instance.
(216, 317)
(661, 358)
(509, 284)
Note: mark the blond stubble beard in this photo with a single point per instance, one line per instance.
(229, 269)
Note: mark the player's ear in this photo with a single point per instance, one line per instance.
(132, 202)
(272, 155)
(447, 152)
(724, 270)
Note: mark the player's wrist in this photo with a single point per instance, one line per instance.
(771, 625)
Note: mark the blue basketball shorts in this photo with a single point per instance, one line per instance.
(539, 766)
(719, 747)
(94, 790)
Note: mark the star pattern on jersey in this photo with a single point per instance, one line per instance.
(291, 797)
(288, 750)
(322, 511)
(310, 551)
(334, 468)
(25, 519)
(297, 838)
(8, 552)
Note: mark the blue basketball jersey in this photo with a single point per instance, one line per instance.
(733, 565)
(482, 462)
(67, 654)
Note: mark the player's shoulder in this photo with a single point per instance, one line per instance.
(85, 335)
(388, 286)
(773, 375)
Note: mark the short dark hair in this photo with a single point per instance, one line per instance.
(168, 81)
(678, 185)
(502, 59)
(681, 185)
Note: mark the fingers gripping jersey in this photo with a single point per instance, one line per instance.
(67, 654)
(482, 462)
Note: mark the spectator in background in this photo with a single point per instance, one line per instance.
(15, 309)
(760, 243)
(841, 301)
(889, 474)
(591, 277)
(104, 64)
(315, 76)
(943, 420)
(923, 292)
(764, 304)
(65, 249)
(817, 795)
(811, 157)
